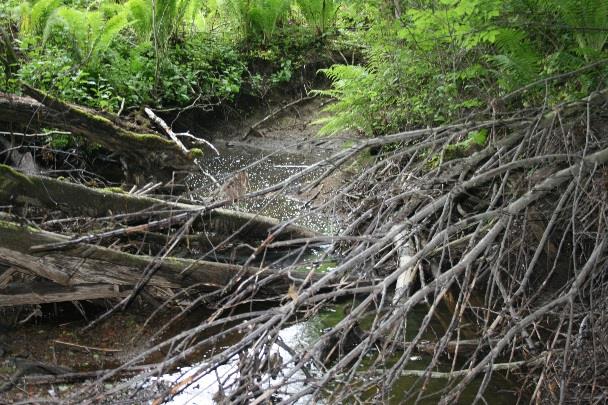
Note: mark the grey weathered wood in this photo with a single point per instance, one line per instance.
(31, 294)
(90, 264)
(75, 199)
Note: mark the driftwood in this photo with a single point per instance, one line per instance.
(31, 367)
(448, 375)
(85, 271)
(83, 375)
(44, 111)
(39, 293)
(469, 214)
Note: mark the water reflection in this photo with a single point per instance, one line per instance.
(204, 390)
(264, 170)
(302, 335)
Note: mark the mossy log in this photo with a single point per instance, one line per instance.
(43, 111)
(19, 189)
(88, 265)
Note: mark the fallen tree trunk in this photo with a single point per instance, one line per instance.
(465, 346)
(456, 374)
(43, 111)
(66, 378)
(82, 265)
(19, 189)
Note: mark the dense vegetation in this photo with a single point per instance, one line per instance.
(471, 202)
(430, 62)
(405, 64)
(164, 53)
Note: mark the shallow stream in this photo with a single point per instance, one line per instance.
(56, 337)
(265, 169)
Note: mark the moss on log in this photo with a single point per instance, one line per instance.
(20, 189)
(43, 111)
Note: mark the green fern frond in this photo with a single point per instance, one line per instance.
(66, 20)
(140, 15)
(266, 15)
(589, 21)
(320, 14)
(353, 90)
(108, 34)
(35, 21)
(519, 62)
(88, 33)
(255, 17)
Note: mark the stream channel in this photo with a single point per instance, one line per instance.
(264, 169)
(51, 338)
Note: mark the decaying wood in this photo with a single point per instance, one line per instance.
(78, 265)
(72, 377)
(462, 221)
(512, 366)
(75, 199)
(44, 111)
(27, 367)
(7, 276)
(90, 264)
(466, 218)
(37, 293)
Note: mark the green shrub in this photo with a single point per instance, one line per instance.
(442, 59)
(53, 70)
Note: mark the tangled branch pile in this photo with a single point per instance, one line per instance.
(510, 237)
(501, 223)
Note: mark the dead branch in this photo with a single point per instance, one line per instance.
(463, 226)
(163, 125)
(44, 111)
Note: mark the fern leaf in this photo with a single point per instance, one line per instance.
(41, 11)
(589, 21)
(140, 15)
